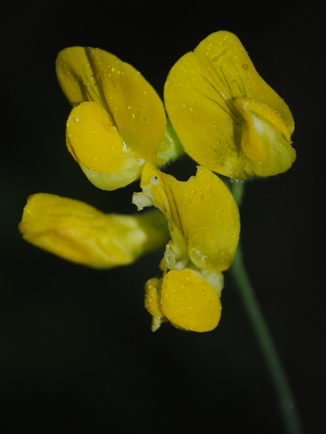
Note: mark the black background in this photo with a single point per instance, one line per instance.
(76, 350)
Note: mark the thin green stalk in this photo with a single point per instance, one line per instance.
(282, 387)
(279, 379)
(265, 341)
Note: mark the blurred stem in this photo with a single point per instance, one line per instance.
(279, 379)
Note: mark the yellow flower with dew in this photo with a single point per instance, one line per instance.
(226, 116)
(227, 119)
(204, 225)
(80, 233)
(117, 122)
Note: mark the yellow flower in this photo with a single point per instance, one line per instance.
(204, 226)
(80, 233)
(227, 117)
(118, 121)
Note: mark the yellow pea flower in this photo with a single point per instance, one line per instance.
(204, 226)
(80, 233)
(118, 121)
(226, 116)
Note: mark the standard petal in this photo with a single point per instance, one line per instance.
(91, 74)
(199, 96)
(230, 67)
(202, 214)
(203, 121)
(80, 233)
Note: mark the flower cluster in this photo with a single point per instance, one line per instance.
(219, 111)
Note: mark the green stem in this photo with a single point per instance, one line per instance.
(265, 341)
(279, 379)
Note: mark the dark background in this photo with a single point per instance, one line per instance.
(76, 350)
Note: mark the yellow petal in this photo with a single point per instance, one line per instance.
(152, 298)
(189, 302)
(93, 140)
(199, 96)
(135, 109)
(80, 233)
(265, 139)
(202, 214)
(96, 145)
(153, 302)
